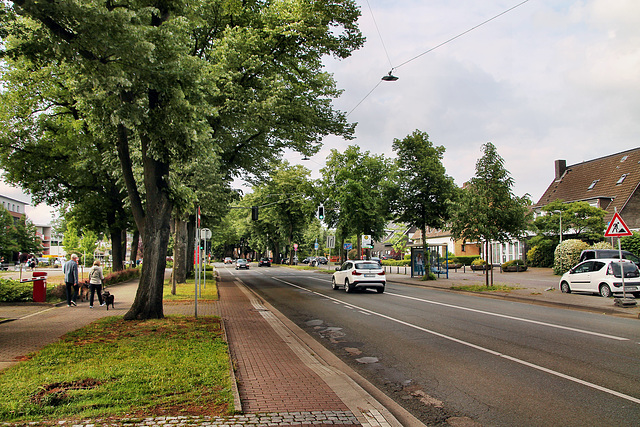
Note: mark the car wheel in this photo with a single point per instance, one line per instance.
(380, 290)
(605, 290)
(334, 285)
(347, 286)
(564, 287)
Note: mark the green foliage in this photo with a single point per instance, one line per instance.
(567, 254)
(514, 262)
(14, 291)
(479, 261)
(582, 220)
(394, 262)
(487, 209)
(121, 276)
(631, 243)
(17, 236)
(602, 245)
(356, 188)
(542, 251)
(424, 194)
(466, 260)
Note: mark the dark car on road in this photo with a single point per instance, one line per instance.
(264, 262)
(242, 263)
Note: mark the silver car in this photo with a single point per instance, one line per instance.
(242, 263)
(359, 275)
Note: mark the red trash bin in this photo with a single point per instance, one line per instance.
(40, 287)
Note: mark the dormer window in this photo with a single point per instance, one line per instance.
(624, 158)
(621, 180)
(593, 184)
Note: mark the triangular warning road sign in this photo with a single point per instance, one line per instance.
(617, 227)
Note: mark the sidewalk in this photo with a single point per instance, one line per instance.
(281, 380)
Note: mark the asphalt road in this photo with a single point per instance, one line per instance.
(441, 354)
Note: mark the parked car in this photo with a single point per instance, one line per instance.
(242, 263)
(602, 276)
(264, 262)
(322, 260)
(307, 260)
(607, 253)
(228, 260)
(359, 275)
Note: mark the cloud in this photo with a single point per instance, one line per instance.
(549, 80)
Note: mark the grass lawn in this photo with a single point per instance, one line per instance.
(111, 368)
(186, 291)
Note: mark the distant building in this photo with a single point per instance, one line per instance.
(15, 207)
(611, 182)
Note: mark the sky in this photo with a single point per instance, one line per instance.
(551, 79)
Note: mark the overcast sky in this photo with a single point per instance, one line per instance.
(549, 80)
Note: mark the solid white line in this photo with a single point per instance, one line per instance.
(504, 316)
(474, 346)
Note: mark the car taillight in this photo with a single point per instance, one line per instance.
(381, 273)
(356, 273)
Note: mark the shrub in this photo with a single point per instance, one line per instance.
(466, 260)
(631, 243)
(479, 261)
(541, 252)
(121, 276)
(602, 245)
(14, 291)
(567, 254)
(394, 263)
(514, 262)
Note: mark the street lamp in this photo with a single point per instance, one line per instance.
(560, 212)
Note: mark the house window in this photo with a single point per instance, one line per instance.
(593, 184)
(462, 248)
(621, 180)
(624, 158)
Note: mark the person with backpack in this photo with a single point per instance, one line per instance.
(96, 277)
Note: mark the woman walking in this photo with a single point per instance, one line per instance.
(95, 282)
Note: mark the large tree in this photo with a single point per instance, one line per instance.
(163, 80)
(425, 192)
(357, 187)
(488, 210)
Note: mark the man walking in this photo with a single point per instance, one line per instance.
(70, 270)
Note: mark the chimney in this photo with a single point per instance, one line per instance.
(561, 167)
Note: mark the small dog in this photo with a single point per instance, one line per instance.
(108, 299)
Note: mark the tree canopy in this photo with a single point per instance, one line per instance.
(161, 81)
(425, 193)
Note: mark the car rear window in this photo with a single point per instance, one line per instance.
(630, 269)
(367, 266)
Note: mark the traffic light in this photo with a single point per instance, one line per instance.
(320, 212)
(254, 213)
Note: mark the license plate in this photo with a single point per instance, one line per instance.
(631, 288)
(369, 275)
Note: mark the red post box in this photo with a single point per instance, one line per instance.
(39, 286)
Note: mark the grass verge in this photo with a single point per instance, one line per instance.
(165, 367)
(185, 292)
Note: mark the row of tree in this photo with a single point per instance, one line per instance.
(135, 112)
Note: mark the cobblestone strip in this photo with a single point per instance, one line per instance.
(315, 418)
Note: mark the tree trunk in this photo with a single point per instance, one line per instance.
(116, 249)
(190, 248)
(134, 248)
(155, 228)
(180, 251)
